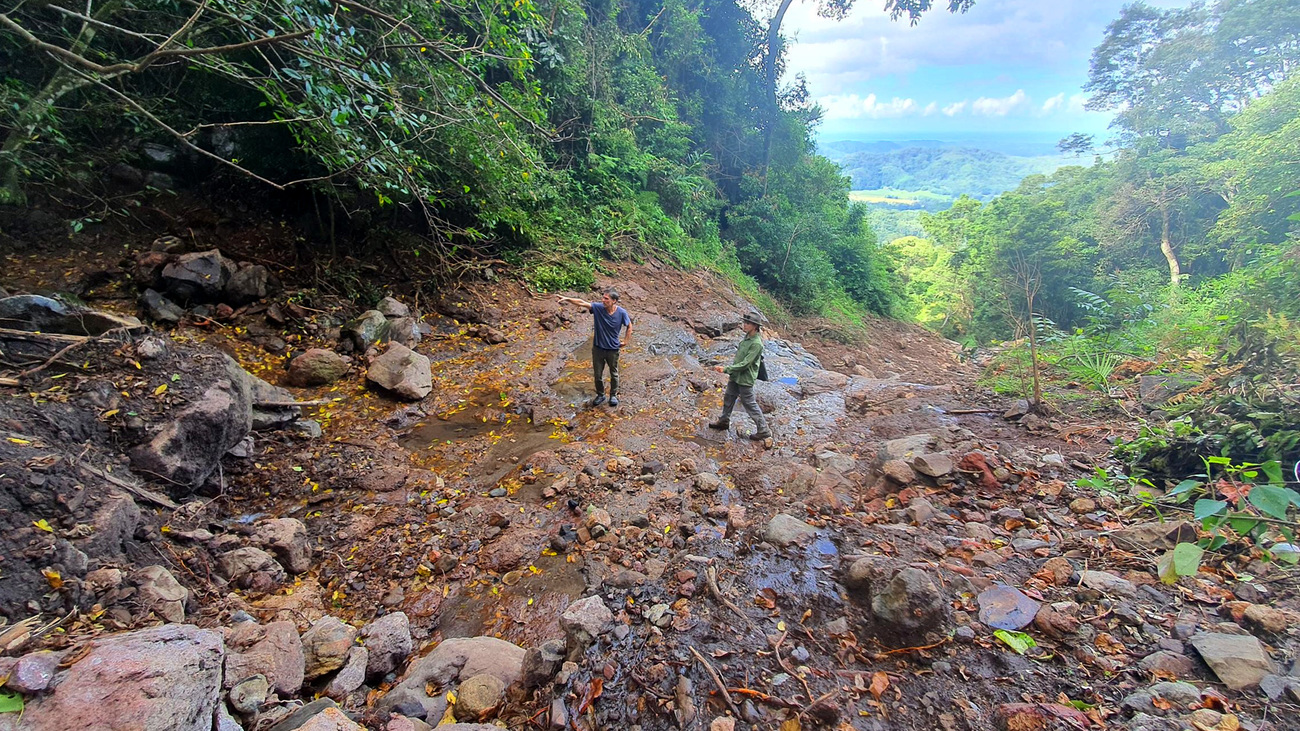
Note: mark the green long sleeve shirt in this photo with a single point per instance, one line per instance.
(744, 368)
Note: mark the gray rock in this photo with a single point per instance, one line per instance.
(266, 417)
(785, 530)
(478, 697)
(309, 428)
(1017, 410)
(248, 284)
(287, 540)
(197, 277)
(1052, 460)
(920, 511)
(715, 323)
(160, 309)
(393, 308)
(1107, 583)
(934, 464)
(910, 605)
(159, 679)
(909, 446)
(351, 676)
(190, 446)
(159, 591)
(1239, 661)
(834, 461)
(708, 482)
(583, 621)
(1004, 607)
(980, 532)
(327, 645)
(241, 564)
(369, 329)
(114, 523)
(402, 371)
(34, 312)
(224, 721)
(405, 330)
(273, 651)
(541, 663)
(249, 694)
(322, 714)
(388, 640)
(1182, 696)
(865, 573)
(317, 367)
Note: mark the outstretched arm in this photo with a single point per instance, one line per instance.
(582, 304)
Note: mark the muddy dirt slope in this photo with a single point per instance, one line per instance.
(413, 515)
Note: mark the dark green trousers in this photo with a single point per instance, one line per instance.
(600, 358)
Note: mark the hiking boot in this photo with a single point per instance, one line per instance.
(760, 436)
(613, 401)
(600, 399)
(721, 424)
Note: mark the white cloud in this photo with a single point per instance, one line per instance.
(930, 109)
(955, 108)
(999, 106)
(852, 106)
(1053, 103)
(1076, 103)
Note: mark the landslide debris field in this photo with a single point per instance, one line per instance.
(293, 546)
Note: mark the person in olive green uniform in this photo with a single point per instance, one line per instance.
(743, 372)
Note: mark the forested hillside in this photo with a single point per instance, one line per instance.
(948, 171)
(548, 134)
(1179, 248)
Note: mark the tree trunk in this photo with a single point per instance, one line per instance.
(1167, 248)
(769, 64)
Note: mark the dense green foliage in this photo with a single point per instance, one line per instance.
(548, 133)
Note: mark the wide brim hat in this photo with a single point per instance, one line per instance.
(752, 318)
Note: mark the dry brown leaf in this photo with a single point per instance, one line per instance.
(879, 682)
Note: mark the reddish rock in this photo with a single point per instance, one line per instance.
(1037, 717)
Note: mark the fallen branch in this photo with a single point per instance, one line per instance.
(712, 576)
(762, 697)
(10, 382)
(717, 681)
(12, 334)
(68, 347)
(138, 491)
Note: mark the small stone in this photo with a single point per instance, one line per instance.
(1107, 583)
(583, 621)
(708, 482)
(497, 492)
(249, 694)
(1082, 505)
(1168, 664)
(980, 532)
(388, 640)
(34, 671)
(351, 676)
(327, 645)
(1266, 619)
(898, 471)
(934, 465)
(1057, 570)
(723, 724)
(910, 604)
(920, 511)
(317, 367)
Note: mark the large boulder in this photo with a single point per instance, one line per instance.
(197, 277)
(159, 679)
(317, 367)
(327, 645)
(403, 372)
(452, 662)
(34, 312)
(190, 446)
(909, 606)
(389, 642)
(273, 651)
(392, 308)
(250, 567)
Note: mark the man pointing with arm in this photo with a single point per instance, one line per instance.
(609, 320)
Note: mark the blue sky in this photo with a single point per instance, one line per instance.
(1009, 66)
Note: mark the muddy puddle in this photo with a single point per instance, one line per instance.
(522, 606)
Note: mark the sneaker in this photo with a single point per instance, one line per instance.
(600, 399)
(720, 425)
(760, 436)
(613, 401)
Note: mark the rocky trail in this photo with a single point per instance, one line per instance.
(259, 507)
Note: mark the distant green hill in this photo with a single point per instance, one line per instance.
(942, 171)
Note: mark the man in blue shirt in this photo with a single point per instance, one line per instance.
(609, 320)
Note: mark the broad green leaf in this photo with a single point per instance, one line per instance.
(1242, 524)
(1018, 641)
(10, 702)
(1187, 558)
(1184, 487)
(1206, 508)
(1271, 500)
